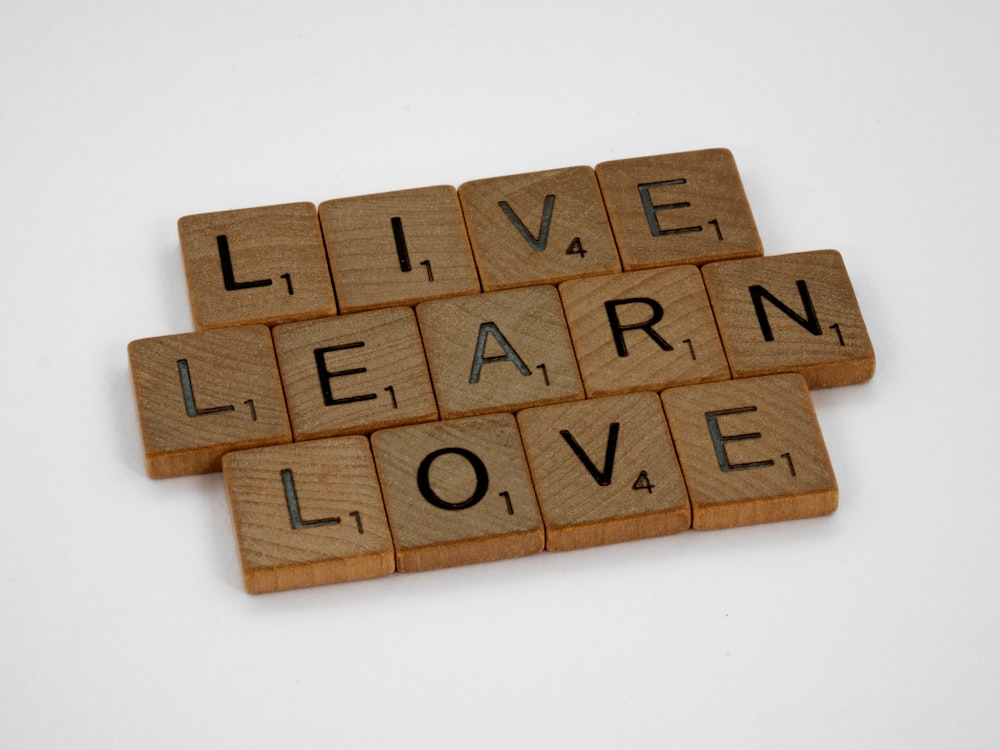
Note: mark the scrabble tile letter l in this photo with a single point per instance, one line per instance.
(308, 514)
(200, 395)
(256, 265)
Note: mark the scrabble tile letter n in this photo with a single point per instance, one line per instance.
(791, 313)
(751, 451)
(256, 265)
(200, 395)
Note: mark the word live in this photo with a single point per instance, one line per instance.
(555, 360)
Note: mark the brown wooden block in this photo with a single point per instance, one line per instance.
(308, 514)
(678, 208)
(791, 313)
(499, 351)
(354, 373)
(200, 395)
(398, 248)
(457, 492)
(604, 471)
(538, 228)
(751, 451)
(643, 330)
(256, 265)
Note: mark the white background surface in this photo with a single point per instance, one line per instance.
(869, 127)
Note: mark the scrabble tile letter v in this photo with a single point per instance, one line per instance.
(538, 228)
(604, 471)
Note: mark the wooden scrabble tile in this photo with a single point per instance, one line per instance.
(200, 395)
(678, 208)
(791, 313)
(354, 373)
(643, 330)
(538, 228)
(604, 471)
(256, 265)
(457, 492)
(751, 451)
(308, 514)
(499, 351)
(398, 248)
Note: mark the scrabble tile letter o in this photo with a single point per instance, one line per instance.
(457, 492)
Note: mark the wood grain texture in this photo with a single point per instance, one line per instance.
(398, 248)
(643, 330)
(499, 351)
(684, 208)
(256, 265)
(354, 373)
(751, 451)
(200, 395)
(473, 501)
(538, 228)
(604, 471)
(308, 514)
(820, 334)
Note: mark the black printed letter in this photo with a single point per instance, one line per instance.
(810, 322)
(651, 208)
(509, 355)
(719, 440)
(228, 277)
(424, 484)
(617, 329)
(603, 478)
(325, 375)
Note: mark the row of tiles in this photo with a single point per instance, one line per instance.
(557, 477)
(205, 393)
(277, 264)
